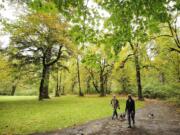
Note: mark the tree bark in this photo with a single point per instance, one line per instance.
(138, 77)
(14, 86)
(57, 93)
(178, 68)
(102, 92)
(106, 86)
(73, 85)
(95, 84)
(79, 80)
(109, 88)
(123, 85)
(15, 83)
(63, 93)
(88, 85)
(44, 85)
(162, 77)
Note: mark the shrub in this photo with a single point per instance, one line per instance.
(156, 90)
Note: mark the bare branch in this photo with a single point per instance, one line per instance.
(150, 66)
(174, 49)
(151, 38)
(57, 58)
(92, 76)
(171, 30)
(124, 61)
(132, 47)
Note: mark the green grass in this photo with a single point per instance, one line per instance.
(25, 114)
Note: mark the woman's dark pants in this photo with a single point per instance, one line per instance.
(115, 113)
(131, 115)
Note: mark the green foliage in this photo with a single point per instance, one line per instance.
(68, 7)
(92, 60)
(129, 28)
(175, 101)
(43, 6)
(5, 76)
(155, 90)
(35, 29)
(51, 114)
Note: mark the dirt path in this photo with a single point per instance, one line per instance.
(165, 122)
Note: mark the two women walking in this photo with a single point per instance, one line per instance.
(129, 109)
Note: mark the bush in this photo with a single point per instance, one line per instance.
(156, 90)
(175, 101)
(33, 92)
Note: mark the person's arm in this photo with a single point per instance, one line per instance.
(133, 106)
(126, 106)
(118, 104)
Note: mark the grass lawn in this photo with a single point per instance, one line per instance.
(25, 114)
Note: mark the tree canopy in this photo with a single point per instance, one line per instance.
(94, 46)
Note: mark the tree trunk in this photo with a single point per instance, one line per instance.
(178, 68)
(109, 88)
(106, 86)
(123, 85)
(95, 84)
(102, 92)
(73, 86)
(63, 93)
(13, 89)
(57, 93)
(44, 85)
(138, 77)
(79, 80)
(88, 85)
(60, 83)
(162, 77)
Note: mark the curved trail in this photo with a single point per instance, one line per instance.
(166, 121)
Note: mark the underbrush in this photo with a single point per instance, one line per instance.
(162, 91)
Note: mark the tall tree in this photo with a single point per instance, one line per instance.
(130, 22)
(82, 32)
(44, 39)
(99, 68)
(169, 19)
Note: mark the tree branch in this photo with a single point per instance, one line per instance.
(132, 47)
(150, 66)
(171, 30)
(174, 49)
(92, 76)
(151, 38)
(57, 58)
(124, 61)
(175, 31)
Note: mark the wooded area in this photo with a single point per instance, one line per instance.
(60, 47)
(62, 60)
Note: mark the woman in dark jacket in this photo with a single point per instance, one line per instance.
(130, 110)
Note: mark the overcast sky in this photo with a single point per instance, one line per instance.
(10, 11)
